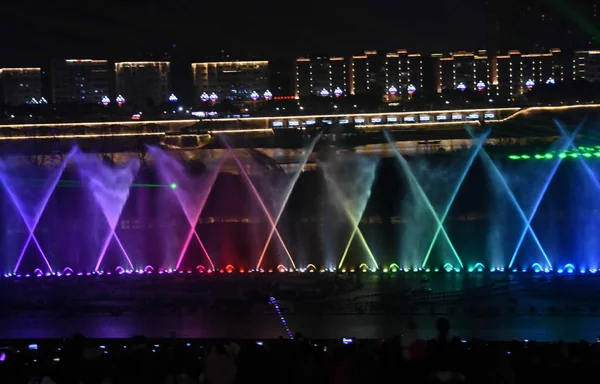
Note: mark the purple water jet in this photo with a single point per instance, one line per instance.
(264, 208)
(191, 193)
(109, 185)
(31, 202)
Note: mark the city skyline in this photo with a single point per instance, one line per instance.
(394, 75)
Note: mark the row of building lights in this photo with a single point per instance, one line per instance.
(481, 86)
(121, 100)
(205, 97)
(392, 90)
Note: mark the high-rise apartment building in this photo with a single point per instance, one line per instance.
(403, 73)
(141, 82)
(20, 85)
(463, 71)
(367, 73)
(515, 73)
(586, 65)
(231, 80)
(80, 81)
(321, 76)
(396, 73)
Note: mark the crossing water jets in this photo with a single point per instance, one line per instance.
(499, 177)
(361, 189)
(478, 146)
(191, 193)
(414, 183)
(109, 185)
(568, 141)
(593, 177)
(264, 208)
(288, 193)
(32, 208)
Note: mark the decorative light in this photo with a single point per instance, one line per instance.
(32, 101)
(275, 304)
(173, 98)
(324, 92)
(120, 100)
(530, 84)
(338, 92)
(268, 95)
(411, 89)
(204, 96)
(105, 100)
(461, 87)
(213, 97)
(43, 101)
(392, 90)
(481, 85)
(551, 81)
(254, 95)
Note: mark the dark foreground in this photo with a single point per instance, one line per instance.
(410, 359)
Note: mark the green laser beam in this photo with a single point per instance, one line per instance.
(77, 183)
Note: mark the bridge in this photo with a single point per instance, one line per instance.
(233, 125)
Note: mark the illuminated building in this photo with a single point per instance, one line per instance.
(393, 74)
(233, 80)
(368, 74)
(321, 76)
(20, 85)
(143, 81)
(371, 72)
(515, 72)
(80, 81)
(586, 66)
(404, 72)
(463, 71)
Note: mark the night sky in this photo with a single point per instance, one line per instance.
(36, 31)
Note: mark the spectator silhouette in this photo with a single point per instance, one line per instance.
(445, 355)
(413, 347)
(220, 366)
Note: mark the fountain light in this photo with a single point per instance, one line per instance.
(286, 197)
(461, 179)
(192, 202)
(265, 210)
(420, 192)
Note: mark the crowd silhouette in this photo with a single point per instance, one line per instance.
(408, 358)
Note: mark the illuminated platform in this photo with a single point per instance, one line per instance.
(266, 125)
